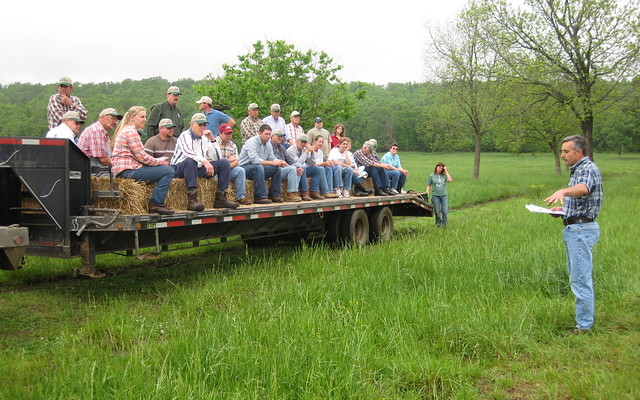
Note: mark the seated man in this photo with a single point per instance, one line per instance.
(95, 143)
(190, 162)
(374, 168)
(259, 162)
(318, 159)
(162, 145)
(396, 174)
(289, 172)
(229, 150)
(68, 129)
(302, 154)
(343, 168)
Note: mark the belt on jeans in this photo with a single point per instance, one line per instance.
(580, 220)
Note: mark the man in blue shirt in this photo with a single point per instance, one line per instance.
(582, 200)
(215, 118)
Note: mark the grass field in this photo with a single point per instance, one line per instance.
(473, 311)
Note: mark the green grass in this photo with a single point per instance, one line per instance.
(474, 311)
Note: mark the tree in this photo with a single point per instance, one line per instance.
(276, 72)
(567, 48)
(472, 75)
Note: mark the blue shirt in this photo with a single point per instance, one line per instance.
(216, 118)
(393, 160)
(586, 172)
(254, 152)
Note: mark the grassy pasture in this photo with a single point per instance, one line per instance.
(473, 311)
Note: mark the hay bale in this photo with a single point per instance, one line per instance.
(135, 195)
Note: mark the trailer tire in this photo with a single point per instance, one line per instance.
(355, 228)
(333, 227)
(381, 225)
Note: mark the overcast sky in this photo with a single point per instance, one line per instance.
(108, 41)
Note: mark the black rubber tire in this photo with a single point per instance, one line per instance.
(355, 228)
(381, 225)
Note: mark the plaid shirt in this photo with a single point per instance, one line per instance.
(364, 159)
(249, 127)
(586, 172)
(94, 141)
(295, 132)
(56, 109)
(229, 149)
(128, 152)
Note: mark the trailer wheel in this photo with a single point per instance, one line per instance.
(381, 225)
(333, 227)
(355, 228)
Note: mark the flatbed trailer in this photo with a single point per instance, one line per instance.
(56, 176)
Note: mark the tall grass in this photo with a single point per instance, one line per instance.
(476, 310)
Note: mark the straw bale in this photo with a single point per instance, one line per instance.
(135, 195)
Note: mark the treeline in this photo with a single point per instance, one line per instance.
(417, 116)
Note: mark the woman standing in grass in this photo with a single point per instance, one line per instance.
(439, 180)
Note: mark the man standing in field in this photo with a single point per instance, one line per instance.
(582, 200)
(215, 118)
(62, 102)
(166, 109)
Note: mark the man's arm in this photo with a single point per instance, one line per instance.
(153, 120)
(574, 191)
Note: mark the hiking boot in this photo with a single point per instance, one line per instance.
(263, 200)
(292, 197)
(162, 210)
(330, 195)
(381, 192)
(276, 199)
(360, 193)
(222, 202)
(359, 188)
(316, 196)
(305, 196)
(244, 201)
(192, 202)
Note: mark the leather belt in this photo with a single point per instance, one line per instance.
(579, 220)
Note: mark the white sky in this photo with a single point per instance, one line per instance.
(102, 41)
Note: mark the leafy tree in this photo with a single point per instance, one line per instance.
(276, 72)
(568, 48)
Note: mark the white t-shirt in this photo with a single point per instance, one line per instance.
(61, 131)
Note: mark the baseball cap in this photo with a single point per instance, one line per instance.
(110, 111)
(74, 115)
(225, 128)
(199, 118)
(294, 113)
(65, 81)
(277, 132)
(167, 123)
(375, 142)
(253, 106)
(275, 107)
(370, 145)
(303, 139)
(174, 90)
(205, 99)
(318, 119)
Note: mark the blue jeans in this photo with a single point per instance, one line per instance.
(579, 240)
(318, 179)
(342, 177)
(237, 175)
(378, 176)
(328, 177)
(162, 174)
(258, 173)
(290, 174)
(396, 178)
(188, 169)
(441, 208)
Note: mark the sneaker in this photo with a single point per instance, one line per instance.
(346, 193)
(338, 192)
(263, 200)
(402, 191)
(577, 332)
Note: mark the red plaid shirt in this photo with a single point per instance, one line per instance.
(56, 109)
(94, 141)
(128, 152)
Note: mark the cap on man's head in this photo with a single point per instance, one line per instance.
(174, 90)
(65, 81)
(167, 123)
(275, 107)
(199, 118)
(205, 99)
(225, 128)
(303, 139)
(375, 142)
(318, 119)
(277, 132)
(110, 111)
(253, 106)
(369, 144)
(294, 113)
(74, 115)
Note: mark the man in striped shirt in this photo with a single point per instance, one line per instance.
(163, 145)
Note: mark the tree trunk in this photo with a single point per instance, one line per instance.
(587, 132)
(556, 158)
(476, 157)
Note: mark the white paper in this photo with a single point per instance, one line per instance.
(537, 209)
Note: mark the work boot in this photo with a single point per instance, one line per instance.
(359, 188)
(276, 199)
(162, 210)
(305, 196)
(381, 192)
(316, 196)
(263, 200)
(292, 197)
(192, 202)
(244, 201)
(222, 202)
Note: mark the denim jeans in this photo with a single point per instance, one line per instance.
(342, 177)
(318, 179)
(162, 174)
(237, 176)
(441, 208)
(396, 178)
(579, 240)
(258, 173)
(188, 169)
(328, 177)
(290, 174)
(378, 176)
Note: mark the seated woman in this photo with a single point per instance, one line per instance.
(396, 174)
(343, 168)
(130, 161)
